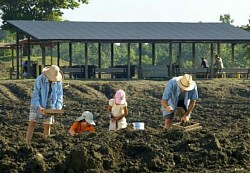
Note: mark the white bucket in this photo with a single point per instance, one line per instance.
(138, 125)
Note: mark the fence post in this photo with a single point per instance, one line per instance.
(10, 73)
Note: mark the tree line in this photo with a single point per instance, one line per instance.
(52, 10)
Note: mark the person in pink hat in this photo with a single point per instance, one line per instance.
(118, 110)
(181, 92)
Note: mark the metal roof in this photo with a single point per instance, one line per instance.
(131, 31)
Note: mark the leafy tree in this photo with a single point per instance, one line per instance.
(35, 9)
(246, 47)
(226, 18)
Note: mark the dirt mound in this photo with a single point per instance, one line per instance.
(222, 145)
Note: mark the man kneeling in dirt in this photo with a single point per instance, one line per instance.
(180, 92)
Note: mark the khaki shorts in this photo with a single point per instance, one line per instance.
(33, 116)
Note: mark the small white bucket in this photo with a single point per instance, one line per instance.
(138, 125)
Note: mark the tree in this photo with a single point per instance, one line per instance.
(246, 54)
(226, 18)
(35, 9)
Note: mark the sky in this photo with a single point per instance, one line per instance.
(161, 11)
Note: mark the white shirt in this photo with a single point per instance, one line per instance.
(117, 110)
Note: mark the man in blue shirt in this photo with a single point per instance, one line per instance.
(180, 92)
(47, 94)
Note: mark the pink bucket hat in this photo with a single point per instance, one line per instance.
(120, 97)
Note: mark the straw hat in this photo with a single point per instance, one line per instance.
(53, 73)
(87, 116)
(186, 82)
(120, 97)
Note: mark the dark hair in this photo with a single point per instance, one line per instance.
(82, 120)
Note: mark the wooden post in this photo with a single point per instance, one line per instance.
(58, 54)
(140, 53)
(28, 53)
(193, 55)
(70, 58)
(128, 62)
(179, 57)
(86, 60)
(232, 54)
(43, 55)
(112, 57)
(99, 58)
(211, 60)
(17, 55)
(11, 70)
(170, 61)
(153, 53)
(51, 54)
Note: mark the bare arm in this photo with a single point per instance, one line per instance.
(190, 106)
(72, 132)
(168, 108)
(109, 108)
(123, 115)
(189, 110)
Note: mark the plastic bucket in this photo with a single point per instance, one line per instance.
(138, 125)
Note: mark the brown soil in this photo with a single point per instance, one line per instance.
(222, 145)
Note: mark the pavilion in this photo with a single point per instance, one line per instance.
(127, 32)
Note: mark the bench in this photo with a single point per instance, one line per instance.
(153, 71)
(197, 72)
(74, 71)
(234, 71)
(112, 71)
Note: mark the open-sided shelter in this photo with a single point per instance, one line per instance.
(131, 32)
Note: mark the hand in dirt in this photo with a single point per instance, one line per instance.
(185, 118)
(76, 135)
(169, 109)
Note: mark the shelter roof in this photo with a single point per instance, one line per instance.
(131, 31)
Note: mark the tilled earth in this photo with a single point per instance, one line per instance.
(221, 145)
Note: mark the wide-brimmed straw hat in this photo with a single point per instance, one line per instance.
(186, 82)
(87, 116)
(120, 97)
(53, 73)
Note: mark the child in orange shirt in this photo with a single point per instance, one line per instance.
(82, 123)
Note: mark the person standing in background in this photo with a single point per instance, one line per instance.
(204, 63)
(25, 68)
(218, 63)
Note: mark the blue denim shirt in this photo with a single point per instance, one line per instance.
(40, 93)
(171, 95)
